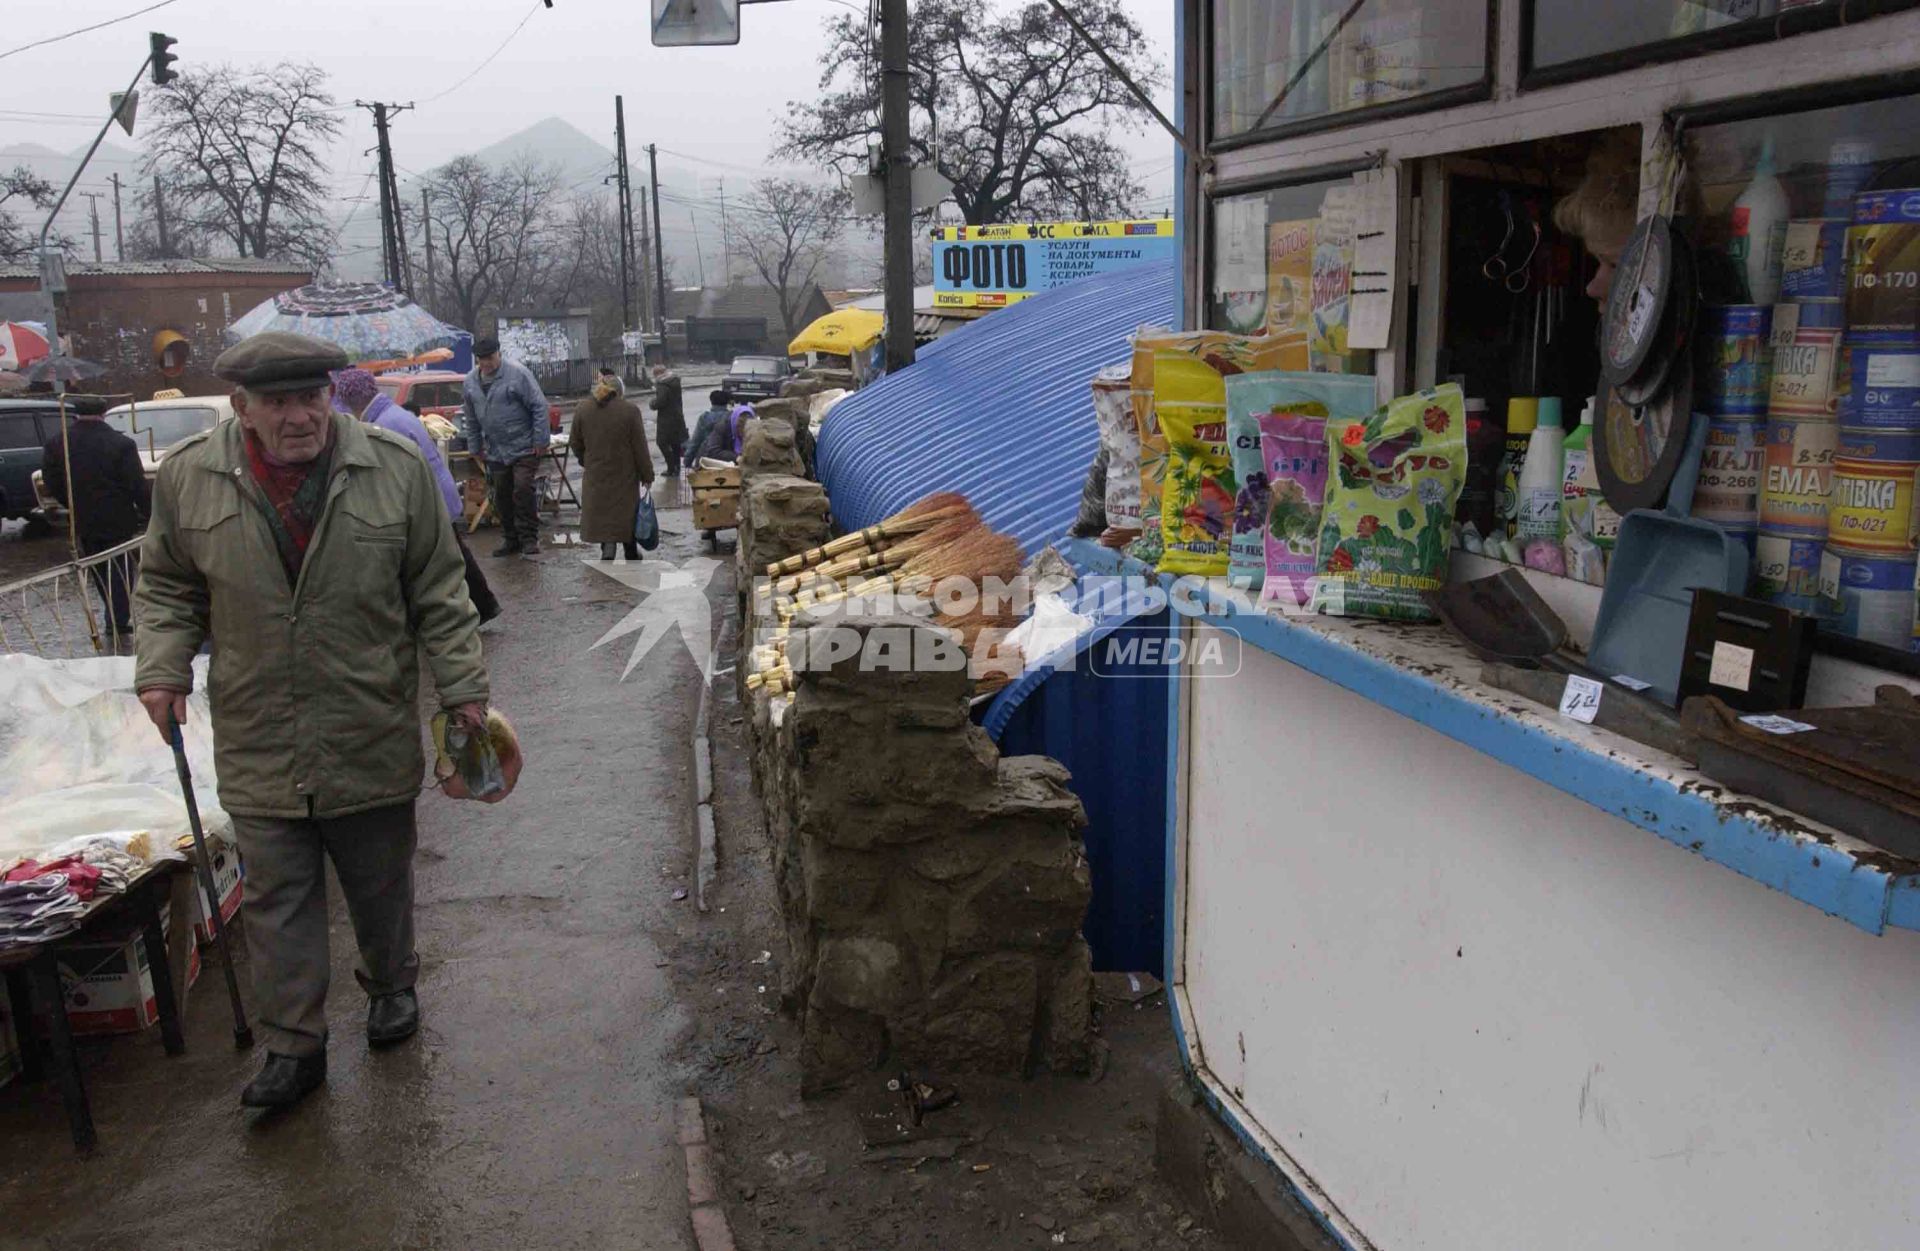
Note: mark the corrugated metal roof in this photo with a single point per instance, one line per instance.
(1000, 410)
(136, 269)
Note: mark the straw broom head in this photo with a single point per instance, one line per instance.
(921, 515)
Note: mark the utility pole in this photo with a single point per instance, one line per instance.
(160, 217)
(119, 235)
(626, 214)
(726, 239)
(646, 250)
(659, 252)
(899, 186)
(393, 243)
(93, 207)
(426, 232)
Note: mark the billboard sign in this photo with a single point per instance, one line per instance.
(993, 266)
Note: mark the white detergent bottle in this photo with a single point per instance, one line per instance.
(1542, 479)
(1759, 229)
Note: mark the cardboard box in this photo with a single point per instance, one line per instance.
(227, 875)
(109, 988)
(716, 510)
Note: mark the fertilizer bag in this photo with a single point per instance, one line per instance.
(1391, 489)
(1249, 396)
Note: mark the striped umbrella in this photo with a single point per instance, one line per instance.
(368, 320)
(20, 345)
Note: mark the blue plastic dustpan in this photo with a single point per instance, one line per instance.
(1660, 559)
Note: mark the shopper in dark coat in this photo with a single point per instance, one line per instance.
(670, 418)
(610, 441)
(110, 499)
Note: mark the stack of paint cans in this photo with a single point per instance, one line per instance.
(1873, 535)
(1732, 393)
(1801, 438)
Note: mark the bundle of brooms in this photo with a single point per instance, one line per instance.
(922, 515)
(957, 545)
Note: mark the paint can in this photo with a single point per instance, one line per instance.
(1849, 170)
(1812, 260)
(1731, 466)
(1883, 269)
(1799, 476)
(1872, 504)
(1883, 388)
(1870, 595)
(1787, 572)
(1732, 376)
(1806, 347)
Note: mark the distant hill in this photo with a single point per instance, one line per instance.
(555, 142)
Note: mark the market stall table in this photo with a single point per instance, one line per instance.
(32, 970)
(557, 488)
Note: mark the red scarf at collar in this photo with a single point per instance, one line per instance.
(296, 497)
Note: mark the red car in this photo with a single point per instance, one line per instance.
(439, 391)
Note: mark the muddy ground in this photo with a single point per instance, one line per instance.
(571, 995)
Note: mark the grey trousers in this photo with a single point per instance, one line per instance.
(285, 902)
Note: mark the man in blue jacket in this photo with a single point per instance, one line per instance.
(504, 418)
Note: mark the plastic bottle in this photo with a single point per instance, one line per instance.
(1486, 441)
(1760, 229)
(1523, 413)
(1542, 479)
(1584, 510)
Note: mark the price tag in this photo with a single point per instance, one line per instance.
(1632, 683)
(1732, 666)
(1829, 577)
(1581, 699)
(1802, 247)
(1786, 324)
(1777, 725)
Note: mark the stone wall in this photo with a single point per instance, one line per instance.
(933, 890)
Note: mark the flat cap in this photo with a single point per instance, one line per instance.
(485, 345)
(279, 360)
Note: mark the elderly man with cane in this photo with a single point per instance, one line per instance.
(316, 555)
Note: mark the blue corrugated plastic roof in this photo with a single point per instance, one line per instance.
(1000, 411)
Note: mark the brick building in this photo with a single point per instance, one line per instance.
(152, 324)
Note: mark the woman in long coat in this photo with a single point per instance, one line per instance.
(611, 442)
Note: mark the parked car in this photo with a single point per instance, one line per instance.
(159, 425)
(756, 377)
(25, 427)
(439, 392)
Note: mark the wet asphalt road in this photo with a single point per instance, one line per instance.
(536, 1107)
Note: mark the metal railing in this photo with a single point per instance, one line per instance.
(69, 611)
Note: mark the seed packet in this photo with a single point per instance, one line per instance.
(1293, 448)
(1249, 396)
(1197, 500)
(1387, 530)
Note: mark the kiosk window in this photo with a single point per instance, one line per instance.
(1280, 61)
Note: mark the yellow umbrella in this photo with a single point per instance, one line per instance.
(842, 332)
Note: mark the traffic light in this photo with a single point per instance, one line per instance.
(161, 59)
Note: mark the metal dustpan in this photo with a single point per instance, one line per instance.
(1500, 617)
(1659, 560)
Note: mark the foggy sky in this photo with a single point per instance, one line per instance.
(711, 110)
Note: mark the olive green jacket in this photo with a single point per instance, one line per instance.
(314, 689)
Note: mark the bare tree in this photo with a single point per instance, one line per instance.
(494, 235)
(21, 186)
(243, 152)
(181, 237)
(787, 228)
(1026, 112)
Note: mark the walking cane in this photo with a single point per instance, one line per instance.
(242, 1034)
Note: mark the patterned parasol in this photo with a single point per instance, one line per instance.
(368, 320)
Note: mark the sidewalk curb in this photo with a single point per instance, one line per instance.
(706, 834)
(711, 1230)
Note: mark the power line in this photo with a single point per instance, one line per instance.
(41, 43)
(537, 6)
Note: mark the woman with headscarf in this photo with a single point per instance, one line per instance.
(356, 391)
(610, 440)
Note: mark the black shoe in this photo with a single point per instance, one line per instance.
(392, 1018)
(509, 548)
(530, 551)
(606, 551)
(285, 1080)
(633, 551)
(488, 611)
